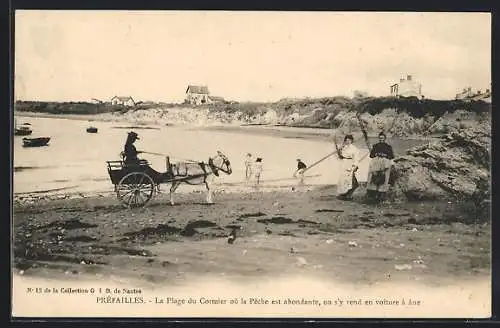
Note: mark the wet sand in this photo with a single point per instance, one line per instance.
(309, 234)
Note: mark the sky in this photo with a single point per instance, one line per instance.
(245, 56)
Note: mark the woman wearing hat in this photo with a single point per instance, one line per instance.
(130, 152)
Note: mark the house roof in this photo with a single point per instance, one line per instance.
(481, 96)
(122, 98)
(201, 89)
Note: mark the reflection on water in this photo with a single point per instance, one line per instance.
(77, 159)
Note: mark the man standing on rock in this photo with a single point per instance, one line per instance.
(379, 172)
(382, 149)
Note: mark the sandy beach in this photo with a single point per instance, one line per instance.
(280, 234)
(310, 235)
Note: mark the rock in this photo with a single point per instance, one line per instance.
(402, 267)
(456, 165)
(352, 244)
(329, 241)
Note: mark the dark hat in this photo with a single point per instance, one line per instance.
(133, 135)
(349, 136)
(259, 159)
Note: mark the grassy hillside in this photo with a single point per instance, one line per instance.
(399, 116)
(326, 109)
(80, 108)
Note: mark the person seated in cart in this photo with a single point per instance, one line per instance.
(380, 169)
(131, 160)
(130, 152)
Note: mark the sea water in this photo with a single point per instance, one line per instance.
(75, 161)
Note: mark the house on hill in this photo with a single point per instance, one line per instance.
(407, 87)
(124, 101)
(467, 94)
(197, 95)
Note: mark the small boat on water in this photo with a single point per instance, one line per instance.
(23, 130)
(35, 142)
(92, 129)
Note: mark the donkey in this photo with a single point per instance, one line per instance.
(198, 173)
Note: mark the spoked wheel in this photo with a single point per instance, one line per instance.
(135, 189)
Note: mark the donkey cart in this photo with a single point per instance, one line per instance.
(136, 184)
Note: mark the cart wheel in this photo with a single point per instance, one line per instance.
(135, 189)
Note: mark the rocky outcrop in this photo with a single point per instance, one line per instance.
(456, 166)
(396, 117)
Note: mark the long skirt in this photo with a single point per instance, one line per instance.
(379, 173)
(347, 181)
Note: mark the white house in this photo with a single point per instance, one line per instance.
(124, 101)
(407, 87)
(197, 95)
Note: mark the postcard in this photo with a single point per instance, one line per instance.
(251, 164)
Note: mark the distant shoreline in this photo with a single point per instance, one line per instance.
(78, 117)
(305, 132)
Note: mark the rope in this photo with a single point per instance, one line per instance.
(363, 130)
(166, 155)
(319, 161)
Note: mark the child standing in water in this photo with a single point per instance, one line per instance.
(300, 171)
(258, 170)
(248, 167)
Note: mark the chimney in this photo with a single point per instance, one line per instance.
(408, 77)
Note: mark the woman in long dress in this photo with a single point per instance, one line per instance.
(349, 155)
(248, 167)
